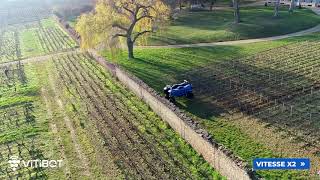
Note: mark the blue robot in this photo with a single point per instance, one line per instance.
(178, 90)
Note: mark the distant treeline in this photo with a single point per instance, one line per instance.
(67, 9)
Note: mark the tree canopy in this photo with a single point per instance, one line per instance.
(117, 21)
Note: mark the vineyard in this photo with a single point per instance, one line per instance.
(21, 122)
(140, 143)
(279, 87)
(22, 15)
(33, 39)
(8, 49)
(13, 13)
(70, 108)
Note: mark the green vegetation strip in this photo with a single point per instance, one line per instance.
(215, 26)
(36, 38)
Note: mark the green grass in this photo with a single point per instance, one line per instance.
(30, 44)
(32, 41)
(18, 128)
(168, 63)
(51, 23)
(158, 67)
(229, 2)
(47, 23)
(257, 22)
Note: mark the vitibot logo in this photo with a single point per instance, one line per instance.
(14, 162)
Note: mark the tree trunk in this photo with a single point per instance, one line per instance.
(276, 8)
(211, 6)
(292, 6)
(236, 11)
(130, 48)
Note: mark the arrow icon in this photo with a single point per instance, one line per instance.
(302, 164)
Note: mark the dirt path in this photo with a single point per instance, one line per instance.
(300, 33)
(81, 155)
(54, 130)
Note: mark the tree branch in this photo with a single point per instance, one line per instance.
(117, 35)
(145, 16)
(129, 10)
(144, 7)
(140, 34)
(116, 25)
(146, 11)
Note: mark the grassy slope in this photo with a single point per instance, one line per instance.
(158, 67)
(195, 27)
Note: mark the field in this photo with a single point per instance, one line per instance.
(257, 100)
(140, 144)
(257, 22)
(15, 12)
(23, 126)
(33, 39)
(279, 88)
(12, 16)
(271, 86)
(9, 49)
(70, 108)
(67, 107)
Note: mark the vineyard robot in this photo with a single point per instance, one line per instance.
(178, 90)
